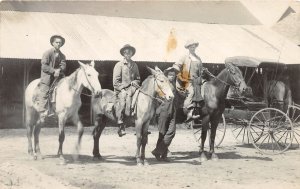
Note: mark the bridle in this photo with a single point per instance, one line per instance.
(77, 91)
(236, 83)
(153, 97)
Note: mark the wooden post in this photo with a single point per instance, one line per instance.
(24, 88)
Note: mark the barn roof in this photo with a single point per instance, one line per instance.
(26, 35)
(204, 11)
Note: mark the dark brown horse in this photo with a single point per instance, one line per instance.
(215, 92)
(155, 85)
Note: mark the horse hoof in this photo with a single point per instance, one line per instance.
(98, 158)
(62, 162)
(38, 156)
(203, 158)
(75, 157)
(35, 157)
(214, 157)
(146, 163)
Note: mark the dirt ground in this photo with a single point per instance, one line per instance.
(240, 166)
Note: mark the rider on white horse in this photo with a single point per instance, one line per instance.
(53, 68)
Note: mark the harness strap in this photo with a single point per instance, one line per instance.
(155, 98)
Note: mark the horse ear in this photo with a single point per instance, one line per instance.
(81, 64)
(230, 67)
(92, 63)
(157, 69)
(152, 71)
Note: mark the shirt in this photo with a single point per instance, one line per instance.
(123, 75)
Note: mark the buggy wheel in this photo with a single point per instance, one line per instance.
(293, 113)
(239, 131)
(271, 131)
(220, 134)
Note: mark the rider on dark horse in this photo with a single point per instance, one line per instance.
(53, 68)
(126, 79)
(189, 80)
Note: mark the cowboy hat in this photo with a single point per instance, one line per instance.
(57, 36)
(170, 69)
(191, 42)
(127, 46)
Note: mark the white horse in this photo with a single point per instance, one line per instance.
(67, 105)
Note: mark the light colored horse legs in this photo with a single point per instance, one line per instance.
(144, 141)
(99, 126)
(138, 129)
(61, 137)
(80, 131)
(30, 120)
(36, 132)
(33, 126)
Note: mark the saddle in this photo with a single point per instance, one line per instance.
(50, 99)
(130, 105)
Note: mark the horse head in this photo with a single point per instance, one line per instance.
(236, 77)
(89, 77)
(162, 84)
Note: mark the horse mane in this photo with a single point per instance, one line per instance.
(72, 79)
(145, 83)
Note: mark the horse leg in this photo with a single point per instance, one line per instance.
(205, 122)
(36, 131)
(144, 142)
(80, 130)
(29, 127)
(99, 126)
(138, 128)
(61, 136)
(213, 130)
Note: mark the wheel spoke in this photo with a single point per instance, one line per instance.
(264, 139)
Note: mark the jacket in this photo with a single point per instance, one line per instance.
(49, 63)
(123, 75)
(187, 69)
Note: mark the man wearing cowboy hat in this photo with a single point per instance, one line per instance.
(126, 78)
(189, 79)
(53, 67)
(166, 120)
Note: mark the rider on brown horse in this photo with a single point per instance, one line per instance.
(126, 78)
(53, 68)
(189, 79)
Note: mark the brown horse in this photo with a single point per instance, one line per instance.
(67, 105)
(155, 85)
(215, 92)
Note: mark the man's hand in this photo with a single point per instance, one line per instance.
(56, 72)
(204, 69)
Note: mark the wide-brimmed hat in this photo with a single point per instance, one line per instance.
(170, 69)
(127, 46)
(57, 36)
(191, 42)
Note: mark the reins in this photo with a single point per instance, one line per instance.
(154, 98)
(77, 91)
(215, 77)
